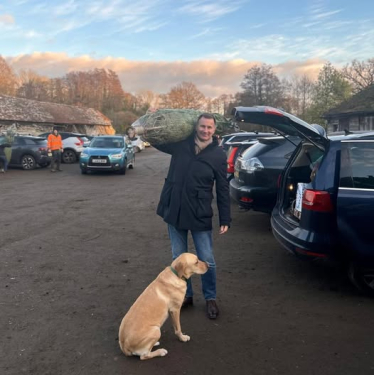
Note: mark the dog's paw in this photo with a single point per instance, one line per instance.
(184, 338)
(163, 352)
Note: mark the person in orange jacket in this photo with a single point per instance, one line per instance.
(56, 148)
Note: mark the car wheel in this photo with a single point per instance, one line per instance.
(28, 162)
(123, 170)
(362, 278)
(83, 170)
(69, 157)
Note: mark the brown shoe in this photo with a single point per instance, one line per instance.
(188, 301)
(212, 309)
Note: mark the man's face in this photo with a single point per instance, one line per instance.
(205, 129)
(55, 132)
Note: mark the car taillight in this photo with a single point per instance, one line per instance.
(279, 181)
(273, 111)
(230, 160)
(316, 200)
(80, 143)
(42, 149)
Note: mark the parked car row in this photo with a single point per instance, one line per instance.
(29, 152)
(318, 189)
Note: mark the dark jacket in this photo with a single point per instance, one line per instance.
(2, 151)
(186, 198)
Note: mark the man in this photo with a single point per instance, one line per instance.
(55, 146)
(3, 158)
(186, 200)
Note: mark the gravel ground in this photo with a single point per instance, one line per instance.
(76, 251)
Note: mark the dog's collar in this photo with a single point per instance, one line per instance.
(176, 273)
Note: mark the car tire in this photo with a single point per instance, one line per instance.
(83, 170)
(123, 170)
(28, 162)
(69, 157)
(362, 278)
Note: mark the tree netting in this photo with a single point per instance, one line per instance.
(174, 125)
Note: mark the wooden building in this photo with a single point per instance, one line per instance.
(24, 116)
(356, 113)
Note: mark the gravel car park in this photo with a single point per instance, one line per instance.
(76, 252)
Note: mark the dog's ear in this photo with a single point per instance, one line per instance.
(180, 266)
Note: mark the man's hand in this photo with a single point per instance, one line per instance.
(223, 229)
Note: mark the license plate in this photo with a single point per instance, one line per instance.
(101, 161)
(236, 174)
(299, 199)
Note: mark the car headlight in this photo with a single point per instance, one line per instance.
(84, 155)
(252, 165)
(116, 156)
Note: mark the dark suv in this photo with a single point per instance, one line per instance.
(28, 152)
(254, 185)
(325, 204)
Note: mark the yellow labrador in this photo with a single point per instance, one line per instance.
(140, 329)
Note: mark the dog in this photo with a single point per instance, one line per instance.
(140, 329)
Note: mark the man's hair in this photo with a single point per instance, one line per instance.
(206, 115)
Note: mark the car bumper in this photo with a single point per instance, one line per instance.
(44, 159)
(248, 197)
(111, 166)
(301, 242)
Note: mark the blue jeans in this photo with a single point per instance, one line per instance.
(204, 251)
(4, 162)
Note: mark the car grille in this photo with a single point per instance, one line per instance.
(94, 161)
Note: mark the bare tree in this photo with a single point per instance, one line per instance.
(360, 74)
(185, 95)
(8, 81)
(261, 87)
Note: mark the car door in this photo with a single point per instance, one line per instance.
(17, 150)
(355, 201)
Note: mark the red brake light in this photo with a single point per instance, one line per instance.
(315, 200)
(42, 149)
(279, 181)
(80, 143)
(230, 160)
(273, 111)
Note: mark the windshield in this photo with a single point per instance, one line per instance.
(107, 143)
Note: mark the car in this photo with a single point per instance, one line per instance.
(240, 137)
(325, 203)
(29, 152)
(137, 143)
(257, 170)
(73, 144)
(107, 153)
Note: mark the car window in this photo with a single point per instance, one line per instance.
(19, 141)
(29, 141)
(357, 165)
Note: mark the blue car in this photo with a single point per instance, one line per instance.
(107, 153)
(325, 203)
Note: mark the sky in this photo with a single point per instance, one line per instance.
(157, 44)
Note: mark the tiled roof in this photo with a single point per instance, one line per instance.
(362, 102)
(18, 109)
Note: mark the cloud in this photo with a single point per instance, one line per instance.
(6, 19)
(208, 10)
(213, 78)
